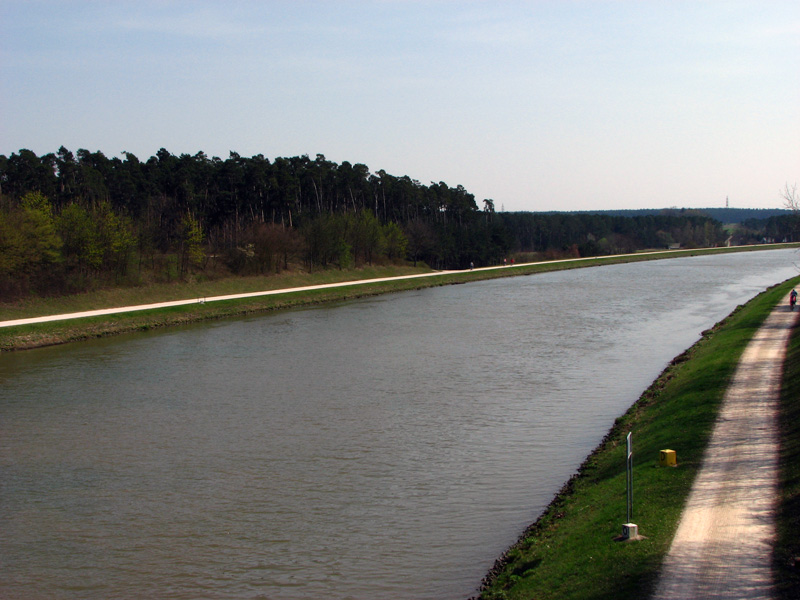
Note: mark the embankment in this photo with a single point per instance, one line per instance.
(21, 337)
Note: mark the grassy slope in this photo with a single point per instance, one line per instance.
(570, 553)
(788, 546)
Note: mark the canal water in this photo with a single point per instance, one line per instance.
(387, 448)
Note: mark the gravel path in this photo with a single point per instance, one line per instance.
(723, 546)
(140, 307)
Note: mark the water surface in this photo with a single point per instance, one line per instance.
(387, 448)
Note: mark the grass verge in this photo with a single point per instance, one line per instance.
(59, 332)
(786, 557)
(163, 292)
(571, 552)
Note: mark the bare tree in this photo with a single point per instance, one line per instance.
(791, 199)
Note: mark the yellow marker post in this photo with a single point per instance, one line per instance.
(668, 458)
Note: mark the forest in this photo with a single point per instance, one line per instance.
(72, 222)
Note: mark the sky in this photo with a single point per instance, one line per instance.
(537, 105)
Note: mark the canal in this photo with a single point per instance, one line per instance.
(386, 448)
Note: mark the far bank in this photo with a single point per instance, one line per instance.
(287, 292)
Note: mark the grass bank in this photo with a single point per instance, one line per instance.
(786, 563)
(59, 332)
(571, 552)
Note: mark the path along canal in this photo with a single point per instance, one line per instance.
(391, 447)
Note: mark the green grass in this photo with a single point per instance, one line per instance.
(571, 552)
(787, 548)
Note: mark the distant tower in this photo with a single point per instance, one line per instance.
(726, 202)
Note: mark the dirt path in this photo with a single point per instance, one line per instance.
(723, 546)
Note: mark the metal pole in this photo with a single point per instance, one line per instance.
(630, 478)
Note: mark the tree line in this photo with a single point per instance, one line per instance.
(72, 221)
(780, 228)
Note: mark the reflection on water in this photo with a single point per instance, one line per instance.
(386, 448)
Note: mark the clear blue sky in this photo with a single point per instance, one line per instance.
(539, 105)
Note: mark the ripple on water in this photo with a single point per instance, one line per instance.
(386, 448)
